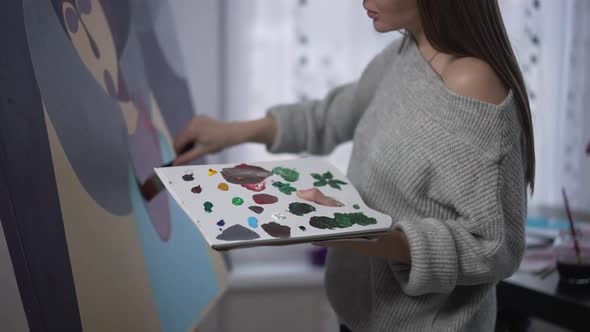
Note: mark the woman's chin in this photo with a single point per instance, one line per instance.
(379, 27)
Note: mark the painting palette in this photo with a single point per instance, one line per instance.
(255, 204)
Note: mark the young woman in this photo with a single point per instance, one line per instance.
(443, 143)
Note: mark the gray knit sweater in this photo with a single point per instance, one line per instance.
(448, 168)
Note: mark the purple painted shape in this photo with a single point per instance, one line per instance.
(72, 21)
(144, 148)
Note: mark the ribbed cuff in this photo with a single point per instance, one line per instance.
(291, 129)
(434, 264)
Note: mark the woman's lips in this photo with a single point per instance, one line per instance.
(372, 15)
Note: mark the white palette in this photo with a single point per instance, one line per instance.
(257, 234)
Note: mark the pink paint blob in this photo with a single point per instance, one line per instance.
(258, 187)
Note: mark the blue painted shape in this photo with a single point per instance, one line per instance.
(180, 270)
(253, 222)
(221, 222)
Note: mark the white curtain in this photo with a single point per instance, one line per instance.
(552, 42)
(283, 51)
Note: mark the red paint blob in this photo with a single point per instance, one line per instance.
(264, 199)
(196, 190)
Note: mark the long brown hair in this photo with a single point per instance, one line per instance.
(475, 28)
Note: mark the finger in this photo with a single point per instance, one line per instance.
(185, 137)
(195, 153)
(316, 196)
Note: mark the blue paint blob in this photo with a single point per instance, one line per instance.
(253, 222)
(220, 222)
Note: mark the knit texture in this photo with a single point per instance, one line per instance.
(448, 168)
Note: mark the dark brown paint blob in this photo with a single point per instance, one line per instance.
(256, 209)
(300, 209)
(302, 228)
(264, 199)
(277, 230)
(237, 233)
(245, 174)
(196, 190)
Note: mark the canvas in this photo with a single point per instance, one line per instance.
(245, 205)
(104, 82)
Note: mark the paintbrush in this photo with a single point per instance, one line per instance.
(153, 185)
(572, 228)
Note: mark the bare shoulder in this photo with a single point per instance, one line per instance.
(475, 78)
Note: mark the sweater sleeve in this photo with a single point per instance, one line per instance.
(484, 244)
(318, 126)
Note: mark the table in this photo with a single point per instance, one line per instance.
(547, 299)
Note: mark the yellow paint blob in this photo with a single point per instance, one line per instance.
(223, 186)
(212, 172)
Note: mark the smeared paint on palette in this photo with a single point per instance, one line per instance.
(258, 187)
(256, 209)
(253, 222)
(245, 174)
(223, 186)
(277, 230)
(211, 172)
(278, 216)
(302, 228)
(221, 223)
(237, 233)
(196, 190)
(264, 199)
(285, 188)
(341, 220)
(356, 206)
(287, 174)
(188, 177)
(300, 209)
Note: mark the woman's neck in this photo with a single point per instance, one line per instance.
(422, 42)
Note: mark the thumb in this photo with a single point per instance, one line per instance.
(182, 140)
(195, 153)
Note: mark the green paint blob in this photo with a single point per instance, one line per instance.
(300, 209)
(285, 188)
(237, 201)
(342, 220)
(287, 174)
(208, 207)
(327, 179)
(356, 206)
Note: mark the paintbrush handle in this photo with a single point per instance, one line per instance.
(186, 148)
(572, 227)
